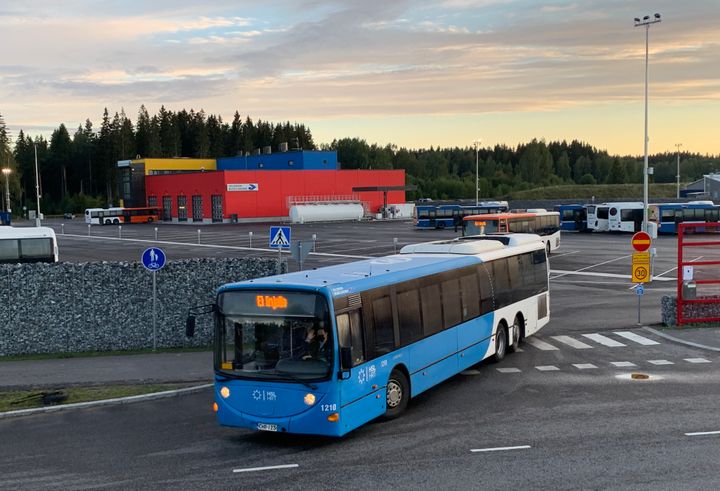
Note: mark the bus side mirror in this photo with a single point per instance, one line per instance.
(190, 326)
(345, 359)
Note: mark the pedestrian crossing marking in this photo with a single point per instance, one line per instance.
(547, 368)
(508, 370)
(697, 360)
(604, 340)
(584, 366)
(572, 342)
(636, 338)
(622, 364)
(541, 345)
(661, 362)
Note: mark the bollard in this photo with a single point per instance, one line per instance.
(250, 235)
(314, 241)
(119, 231)
(89, 229)
(155, 233)
(198, 236)
(395, 242)
(62, 228)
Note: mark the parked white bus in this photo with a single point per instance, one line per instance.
(625, 216)
(103, 216)
(28, 245)
(597, 217)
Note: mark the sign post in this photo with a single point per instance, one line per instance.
(641, 242)
(299, 252)
(280, 238)
(153, 259)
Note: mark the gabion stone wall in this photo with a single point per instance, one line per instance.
(669, 310)
(65, 307)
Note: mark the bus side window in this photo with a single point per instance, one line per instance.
(409, 317)
(470, 296)
(452, 309)
(383, 328)
(350, 335)
(487, 290)
(431, 309)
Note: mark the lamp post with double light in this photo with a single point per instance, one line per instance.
(678, 145)
(477, 170)
(6, 171)
(646, 22)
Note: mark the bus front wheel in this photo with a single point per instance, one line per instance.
(397, 394)
(501, 343)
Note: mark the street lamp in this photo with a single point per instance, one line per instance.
(7, 172)
(678, 145)
(646, 21)
(37, 189)
(477, 170)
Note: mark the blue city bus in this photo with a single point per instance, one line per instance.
(451, 215)
(668, 215)
(573, 217)
(326, 351)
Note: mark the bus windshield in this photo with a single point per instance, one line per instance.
(273, 335)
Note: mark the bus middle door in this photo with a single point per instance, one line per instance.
(359, 392)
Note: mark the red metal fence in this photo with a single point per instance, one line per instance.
(698, 286)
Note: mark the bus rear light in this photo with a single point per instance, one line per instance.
(225, 392)
(215, 407)
(334, 417)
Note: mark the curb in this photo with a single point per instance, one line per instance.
(681, 341)
(105, 402)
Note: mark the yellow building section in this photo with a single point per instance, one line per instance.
(162, 166)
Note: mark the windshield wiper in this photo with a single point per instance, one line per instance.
(291, 377)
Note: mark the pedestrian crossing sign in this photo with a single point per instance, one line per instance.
(280, 237)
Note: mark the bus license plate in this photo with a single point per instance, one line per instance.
(266, 427)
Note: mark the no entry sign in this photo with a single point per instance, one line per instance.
(641, 241)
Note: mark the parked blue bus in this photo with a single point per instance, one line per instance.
(328, 350)
(451, 215)
(668, 215)
(573, 217)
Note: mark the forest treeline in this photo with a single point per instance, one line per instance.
(78, 170)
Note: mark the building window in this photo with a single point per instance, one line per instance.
(167, 208)
(152, 201)
(217, 207)
(182, 208)
(197, 211)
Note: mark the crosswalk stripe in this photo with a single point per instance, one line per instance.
(572, 342)
(697, 360)
(542, 345)
(547, 368)
(622, 364)
(599, 338)
(634, 337)
(584, 366)
(661, 362)
(508, 370)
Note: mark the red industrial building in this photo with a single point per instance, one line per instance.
(251, 194)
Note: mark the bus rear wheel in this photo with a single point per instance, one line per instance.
(397, 394)
(501, 343)
(517, 334)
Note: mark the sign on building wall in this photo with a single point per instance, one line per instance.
(252, 186)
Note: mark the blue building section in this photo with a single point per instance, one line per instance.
(295, 160)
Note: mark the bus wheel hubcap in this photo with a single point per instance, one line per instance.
(394, 393)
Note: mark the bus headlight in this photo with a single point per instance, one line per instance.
(309, 399)
(225, 392)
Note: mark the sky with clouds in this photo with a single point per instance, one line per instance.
(414, 73)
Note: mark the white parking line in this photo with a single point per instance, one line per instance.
(622, 364)
(542, 345)
(584, 366)
(508, 370)
(592, 266)
(572, 342)
(702, 433)
(599, 338)
(697, 360)
(547, 368)
(634, 337)
(268, 468)
(661, 362)
(564, 254)
(500, 449)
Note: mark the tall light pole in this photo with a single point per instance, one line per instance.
(37, 189)
(7, 172)
(477, 170)
(678, 145)
(646, 21)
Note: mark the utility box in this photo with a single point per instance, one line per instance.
(689, 290)
(233, 218)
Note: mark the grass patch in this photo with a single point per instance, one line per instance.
(602, 192)
(88, 354)
(27, 399)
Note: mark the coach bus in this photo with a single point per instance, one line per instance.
(541, 222)
(669, 215)
(116, 216)
(597, 218)
(451, 215)
(572, 217)
(625, 217)
(28, 245)
(328, 350)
